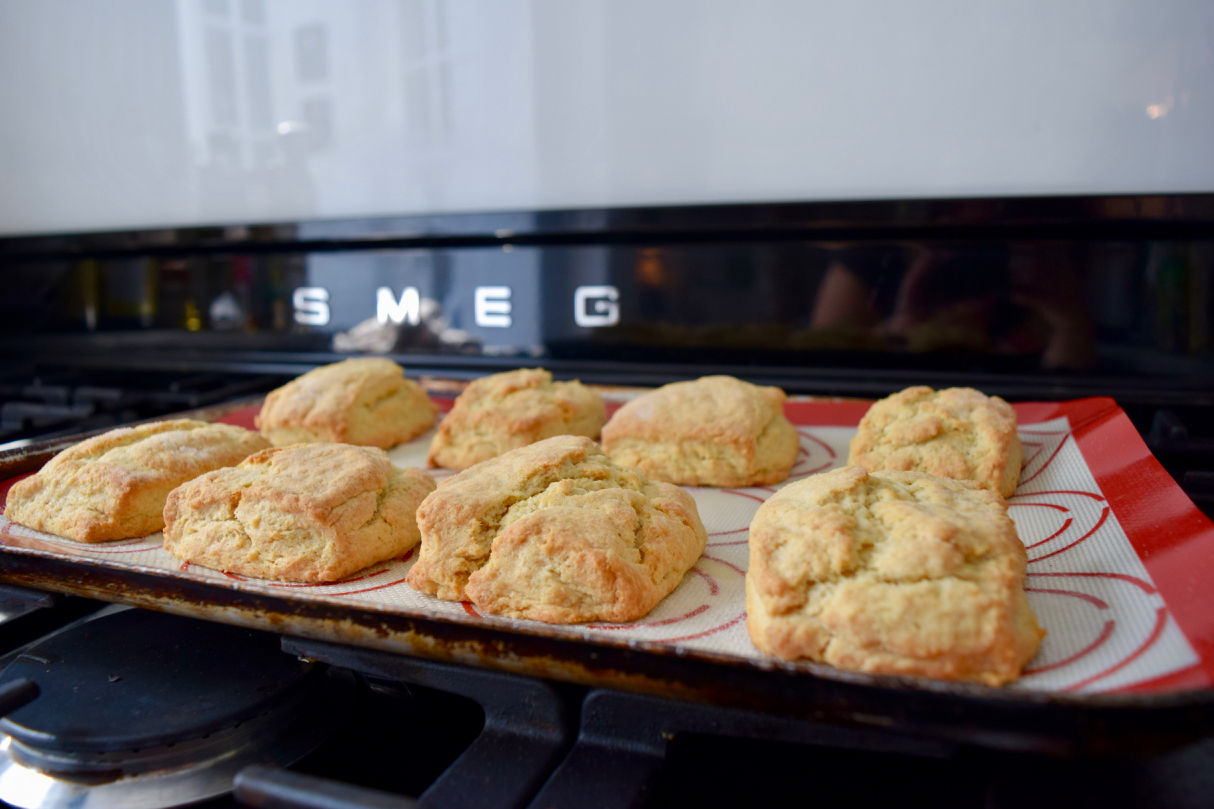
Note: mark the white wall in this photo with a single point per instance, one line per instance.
(142, 113)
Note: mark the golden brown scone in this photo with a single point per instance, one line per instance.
(957, 433)
(715, 431)
(367, 402)
(556, 532)
(498, 413)
(309, 512)
(113, 486)
(891, 573)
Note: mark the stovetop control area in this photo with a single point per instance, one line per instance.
(142, 709)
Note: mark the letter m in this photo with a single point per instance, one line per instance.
(406, 310)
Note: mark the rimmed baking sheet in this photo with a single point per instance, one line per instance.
(1120, 561)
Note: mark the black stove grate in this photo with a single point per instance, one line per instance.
(40, 404)
(445, 733)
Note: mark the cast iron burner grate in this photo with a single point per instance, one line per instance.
(632, 750)
(142, 710)
(48, 403)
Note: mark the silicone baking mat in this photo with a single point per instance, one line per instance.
(1120, 571)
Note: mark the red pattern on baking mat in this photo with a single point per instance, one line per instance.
(713, 587)
(1042, 468)
(1105, 634)
(729, 565)
(1037, 447)
(143, 549)
(700, 610)
(1104, 515)
(1065, 525)
(1161, 620)
(1142, 585)
(817, 457)
(731, 531)
(830, 451)
(401, 580)
(1091, 599)
(744, 494)
(800, 475)
(707, 632)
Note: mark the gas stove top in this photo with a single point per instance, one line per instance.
(146, 709)
(139, 709)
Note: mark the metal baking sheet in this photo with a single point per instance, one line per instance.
(1119, 562)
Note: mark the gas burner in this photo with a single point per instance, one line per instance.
(143, 710)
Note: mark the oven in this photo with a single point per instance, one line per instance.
(1046, 300)
(203, 199)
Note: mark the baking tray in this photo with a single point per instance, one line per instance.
(1119, 564)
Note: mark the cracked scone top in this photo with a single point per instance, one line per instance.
(713, 431)
(498, 413)
(114, 485)
(367, 402)
(891, 573)
(956, 433)
(556, 532)
(309, 513)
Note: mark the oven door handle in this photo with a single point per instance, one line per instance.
(272, 788)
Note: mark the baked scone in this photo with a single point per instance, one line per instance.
(367, 402)
(556, 532)
(956, 433)
(113, 486)
(498, 413)
(715, 431)
(309, 513)
(891, 573)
